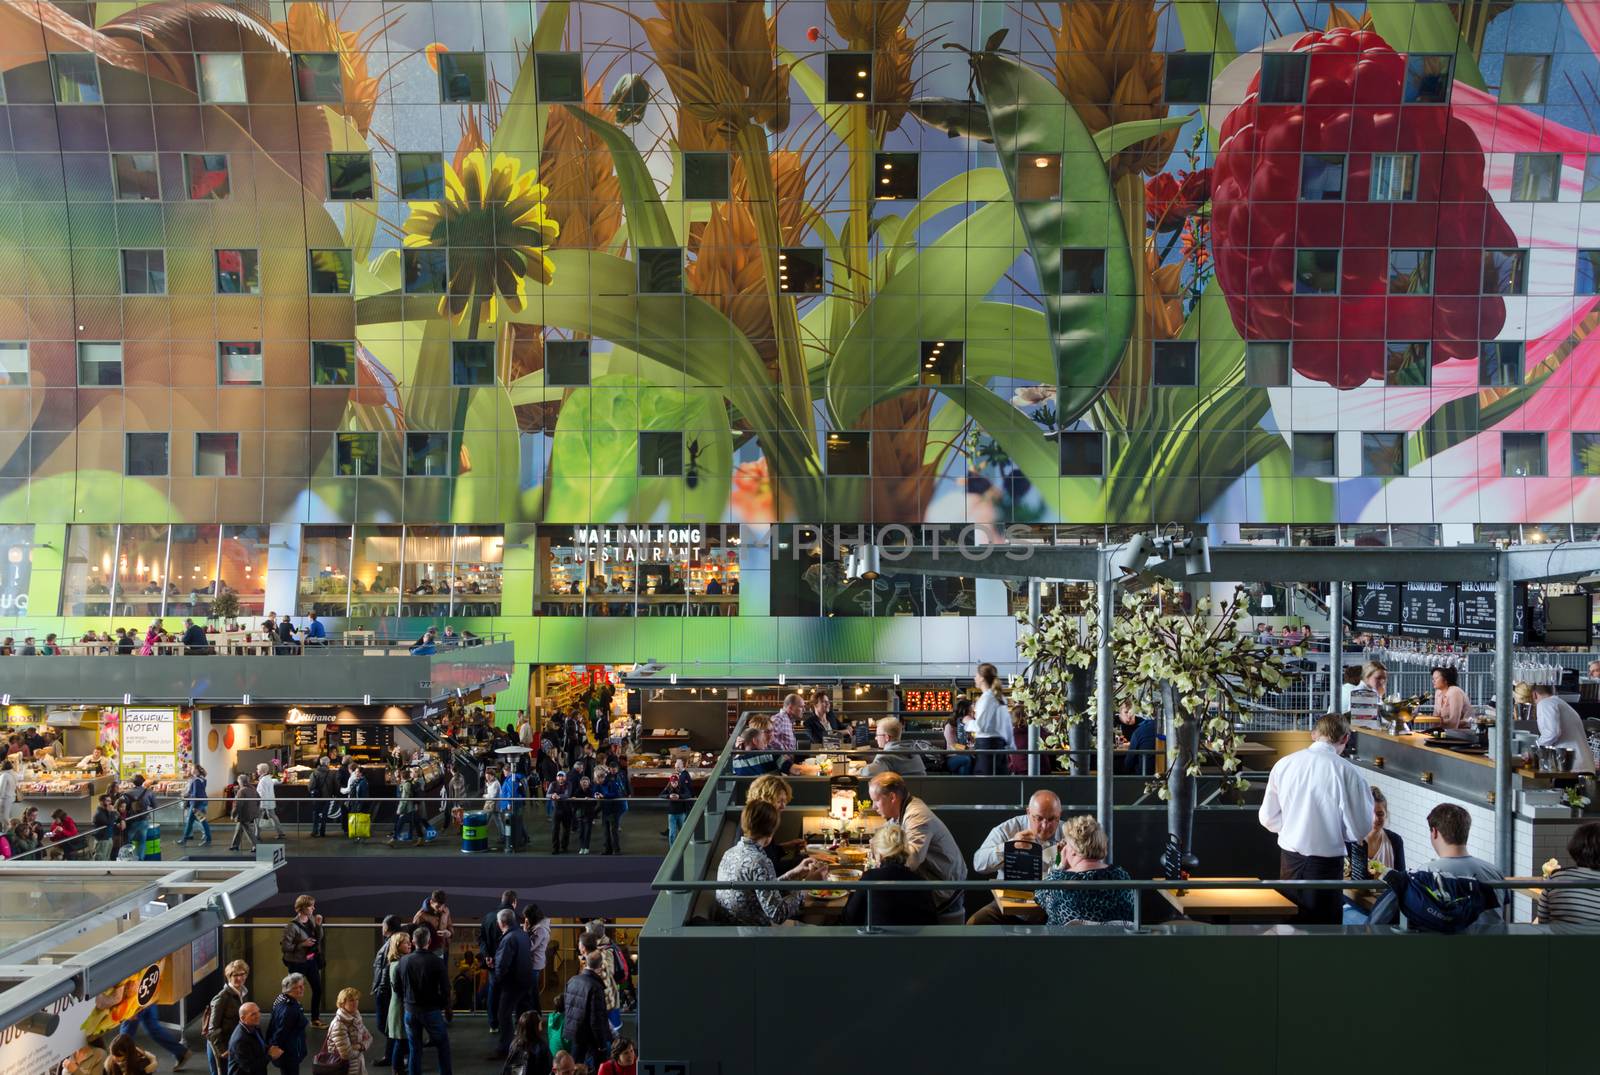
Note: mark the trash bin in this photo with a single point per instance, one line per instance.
(474, 832)
(150, 849)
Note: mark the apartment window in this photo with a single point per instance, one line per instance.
(661, 270)
(1266, 363)
(333, 363)
(660, 454)
(1588, 281)
(706, 176)
(1383, 455)
(99, 365)
(421, 176)
(1428, 79)
(471, 363)
(137, 177)
(1174, 363)
(463, 78)
(1283, 78)
(1505, 272)
(144, 272)
(205, 175)
(1523, 79)
(1522, 455)
(221, 78)
(425, 272)
(238, 272)
(566, 363)
(331, 271)
(1083, 454)
(1313, 455)
(239, 363)
(800, 270)
(847, 454)
(1316, 272)
(848, 76)
(1407, 363)
(355, 455)
(1591, 178)
(1322, 177)
(1394, 177)
(77, 78)
(428, 455)
(1500, 363)
(1535, 177)
(316, 78)
(14, 364)
(896, 176)
(1586, 455)
(1410, 272)
(558, 76)
(145, 455)
(216, 455)
(1083, 271)
(1188, 78)
(943, 362)
(1039, 177)
(350, 177)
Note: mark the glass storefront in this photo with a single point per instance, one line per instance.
(638, 571)
(414, 571)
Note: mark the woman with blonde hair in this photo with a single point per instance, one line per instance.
(775, 789)
(394, 1020)
(1083, 858)
(890, 906)
(348, 1038)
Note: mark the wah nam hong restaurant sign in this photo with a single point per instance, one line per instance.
(639, 544)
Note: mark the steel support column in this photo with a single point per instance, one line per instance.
(1505, 714)
(1335, 645)
(1105, 707)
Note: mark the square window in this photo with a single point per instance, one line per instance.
(1394, 177)
(566, 363)
(1383, 455)
(1410, 272)
(145, 455)
(1591, 178)
(1522, 455)
(316, 78)
(239, 363)
(426, 272)
(99, 365)
(471, 363)
(77, 78)
(1586, 455)
(1499, 364)
(355, 455)
(1174, 363)
(216, 455)
(1523, 79)
(558, 76)
(421, 176)
(706, 176)
(1313, 455)
(350, 177)
(1083, 271)
(1535, 177)
(14, 364)
(943, 362)
(333, 363)
(1408, 363)
(847, 454)
(1188, 78)
(660, 454)
(1588, 281)
(205, 175)
(849, 77)
(144, 272)
(1083, 454)
(1316, 272)
(137, 177)
(428, 455)
(331, 271)
(1266, 364)
(896, 176)
(463, 78)
(660, 270)
(800, 270)
(238, 272)
(1283, 78)
(1505, 272)
(222, 78)
(1039, 177)
(1428, 79)
(1322, 177)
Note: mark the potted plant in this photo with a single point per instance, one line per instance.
(224, 607)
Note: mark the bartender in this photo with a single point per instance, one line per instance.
(1450, 702)
(1560, 726)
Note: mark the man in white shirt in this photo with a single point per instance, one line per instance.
(933, 853)
(1041, 825)
(1317, 803)
(267, 788)
(1560, 726)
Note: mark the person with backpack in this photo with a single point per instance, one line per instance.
(221, 1016)
(303, 944)
(141, 812)
(613, 971)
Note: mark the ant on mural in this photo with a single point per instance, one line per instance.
(691, 470)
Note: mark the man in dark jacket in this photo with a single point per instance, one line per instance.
(286, 637)
(247, 1045)
(425, 992)
(194, 639)
(286, 1035)
(324, 786)
(511, 979)
(586, 1027)
(489, 933)
(560, 793)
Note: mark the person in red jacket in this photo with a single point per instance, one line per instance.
(624, 1059)
(64, 832)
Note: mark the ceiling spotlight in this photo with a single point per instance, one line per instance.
(1132, 557)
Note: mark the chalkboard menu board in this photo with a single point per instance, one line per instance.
(1428, 609)
(1475, 609)
(1377, 607)
(1023, 862)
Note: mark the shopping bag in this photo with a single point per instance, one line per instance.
(360, 826)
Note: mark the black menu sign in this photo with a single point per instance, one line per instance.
(1023, 862)
(1377, 607)
(1475, 605)
(1428, 609)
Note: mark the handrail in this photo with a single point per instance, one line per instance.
(699, 813)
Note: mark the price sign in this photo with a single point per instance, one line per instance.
(1428, 609)
(1377, 607)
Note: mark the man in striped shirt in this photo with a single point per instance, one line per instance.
(1575, 905)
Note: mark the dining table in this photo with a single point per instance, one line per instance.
(1224, 905)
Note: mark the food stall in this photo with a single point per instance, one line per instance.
(133, 740)
(294, 737)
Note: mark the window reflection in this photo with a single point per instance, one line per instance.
(86, 585)
(142, 581)
(194, 569)
(427, 571)
(375, 572)
(478, 557)
(243, 567)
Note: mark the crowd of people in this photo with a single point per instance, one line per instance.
(194, 639)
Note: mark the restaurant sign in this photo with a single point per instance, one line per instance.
(639, 544)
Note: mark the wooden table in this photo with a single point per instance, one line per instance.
(809, 768)
(1011, 905)
(1229, 904)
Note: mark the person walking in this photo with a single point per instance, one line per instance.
(511, 978)
(286, 1034)
(109, 826)
(585, 1030)
(141, 812)
(425, 992)
(303, 945)
(324, 786)
(195, 802)
(248, 1052)
(993, 723)
(394, 1012)
(221, 1017)
(146, 1017)
(246, 813)
(348, 1037)
(267, 788)
(355, 791)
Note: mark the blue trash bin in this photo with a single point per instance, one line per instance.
(150, 843)
(474, 832)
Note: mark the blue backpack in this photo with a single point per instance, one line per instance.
(1439, 903)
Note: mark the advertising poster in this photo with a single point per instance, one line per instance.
(58, 1041)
